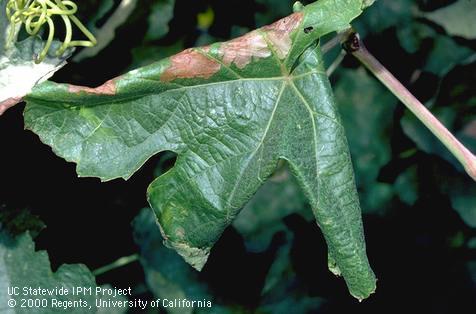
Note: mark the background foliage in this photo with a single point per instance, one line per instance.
(419, 206)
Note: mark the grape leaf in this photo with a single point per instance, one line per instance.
(17, 221)
(21, 266)
(230, 111)
(406, 186)
(385, 14)
(263, 215)
(464, 202)
(167, 275)
(162, 13)
(457, 19)
(366, 127)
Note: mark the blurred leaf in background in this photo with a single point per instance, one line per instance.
(18, 221)
(367, 113)
(263, 216)
(169, 277)
(161, 14)
(23, 267)
(456, 18)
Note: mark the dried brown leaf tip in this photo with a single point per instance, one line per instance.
(108, 88)
(279, 33)
(190, 64)
(242, 50)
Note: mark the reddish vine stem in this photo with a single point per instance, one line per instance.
(354, 45)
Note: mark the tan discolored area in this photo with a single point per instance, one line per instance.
(108, 88)
(8, 103)
(242, 50)
(190, 64)
(279, 33)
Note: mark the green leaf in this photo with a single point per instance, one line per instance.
(22, 267)
(263, 216)
(161, 14)
(385, 14)
(18, 221)
(446, 54)
(230, 111)
(280, 270)
(462, 194)
(457, 18)
(471, 267)
(427, 142)
(406, 186)
(367, 113)
(471, 244)
(412, 34)
(167, 275)
(279, 293)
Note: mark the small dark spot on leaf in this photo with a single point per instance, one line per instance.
(308, 29)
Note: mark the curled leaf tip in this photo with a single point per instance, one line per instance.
(195, 257)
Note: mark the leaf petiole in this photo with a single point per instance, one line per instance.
(354, 45)
(121, 262)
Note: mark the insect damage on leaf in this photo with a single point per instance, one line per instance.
(108, 88)
(255, 45)
(190, 64)
(242, 50)
(279, 33)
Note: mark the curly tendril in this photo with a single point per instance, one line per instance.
(36, 13)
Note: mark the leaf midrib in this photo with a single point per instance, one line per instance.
(310, 111)
(265, 133)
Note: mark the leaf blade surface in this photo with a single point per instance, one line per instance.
(230, 111)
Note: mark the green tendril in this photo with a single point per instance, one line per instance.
(34, 14)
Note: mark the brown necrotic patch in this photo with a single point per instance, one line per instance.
(108, 88)
(242, 50)
(190, 64)
(279, 33)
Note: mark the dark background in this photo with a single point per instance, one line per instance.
(419, 207)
